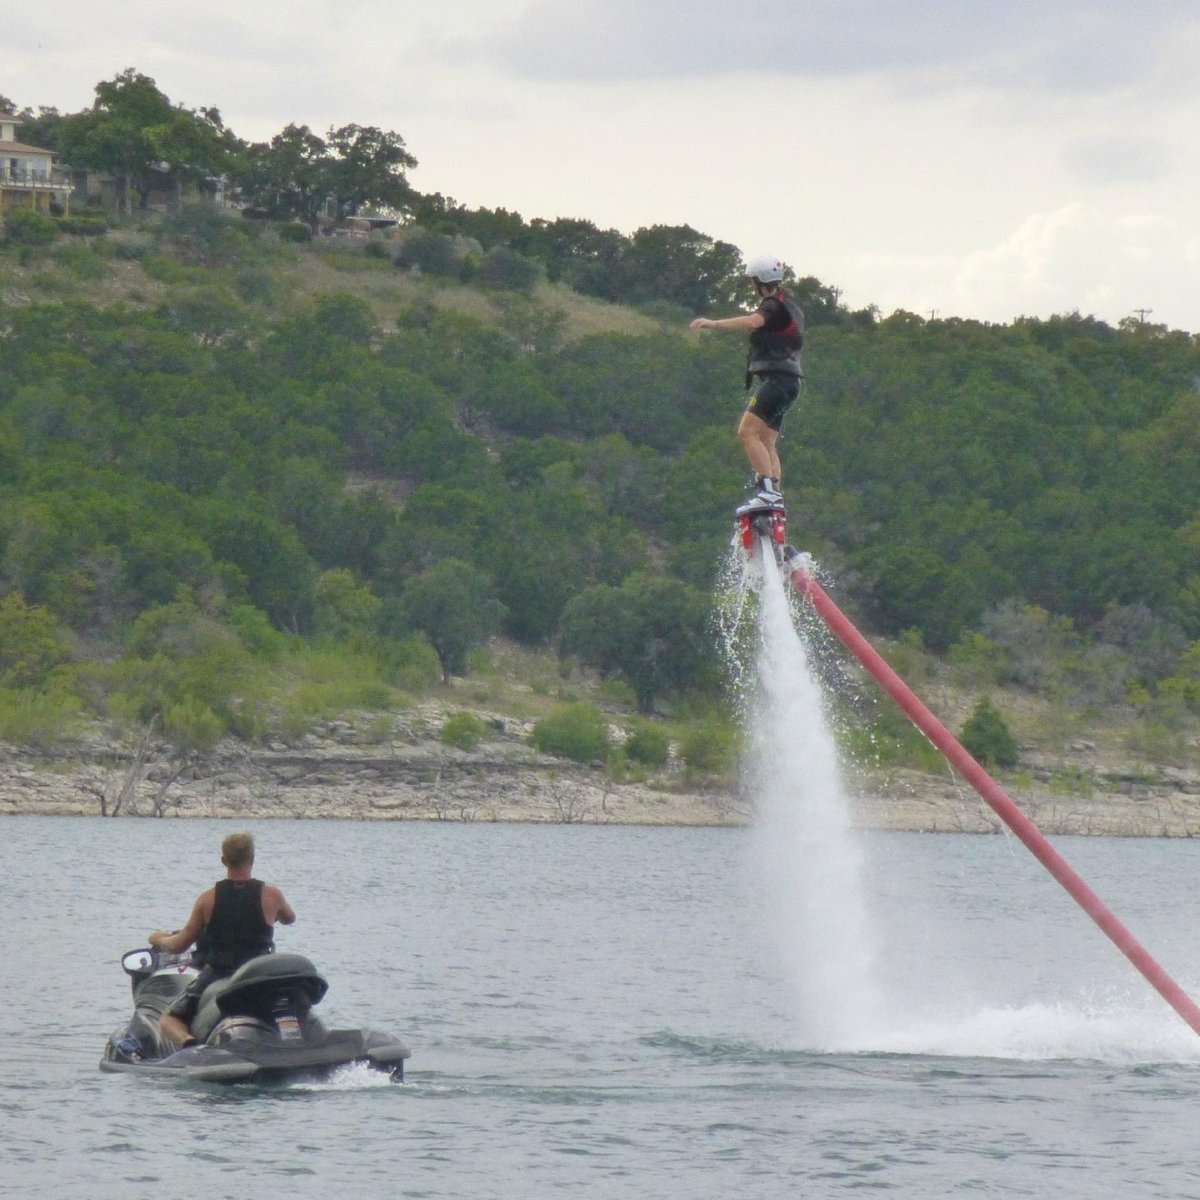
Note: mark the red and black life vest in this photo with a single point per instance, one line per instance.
(778, 349)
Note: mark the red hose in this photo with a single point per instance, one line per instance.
(995, 796)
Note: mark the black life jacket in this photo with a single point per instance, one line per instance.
(237, 931)
(778, 350)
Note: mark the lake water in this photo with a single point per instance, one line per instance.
(604, 1012)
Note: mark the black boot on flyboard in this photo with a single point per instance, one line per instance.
(764, 516)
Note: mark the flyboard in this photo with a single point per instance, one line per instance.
(762, 530)
(764, 524)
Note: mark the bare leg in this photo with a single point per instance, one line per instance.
(173, 1029)
(758, 441)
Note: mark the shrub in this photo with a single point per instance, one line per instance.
(256, 633)
(576, 731)
(32, 643)
(36, 718)
(908, 656)
(82, 260)
(293, 231)
(342, 606)
(326, 680)
(409, 663)
(83, 226)
(507, 270)
(648, 745)
(192, 726)
(709, 747)
(1035, 643)
(1183, 685)
(202, 235)
(130, 245)
(1158, 741)
(978, 659)
(433, 253)
(887, 738)
(987, 737)
(24, 227)
(254, 285)
(164, 269)
(463, 730)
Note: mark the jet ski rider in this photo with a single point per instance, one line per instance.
(233, 921)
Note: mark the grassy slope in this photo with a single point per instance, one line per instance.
(1066, 749)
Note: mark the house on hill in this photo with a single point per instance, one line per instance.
(29, 177)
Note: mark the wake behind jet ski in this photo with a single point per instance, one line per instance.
(257, 1025)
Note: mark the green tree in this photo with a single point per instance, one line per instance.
(210, 314)
(575, 251)
(986, 736)
(343, 607)
(180, 658)
(289, 176)
(451, 603)
(651, 631)
(32, 643)
(134, 131)
(303, 175)
(506, 270)
(41, 128)
(678, 264)
(432, 252)
(368, 168)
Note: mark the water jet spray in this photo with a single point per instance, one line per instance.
(798, 570)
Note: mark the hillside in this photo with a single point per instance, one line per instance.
(255, 490)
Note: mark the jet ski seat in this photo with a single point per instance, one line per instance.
(250, 990)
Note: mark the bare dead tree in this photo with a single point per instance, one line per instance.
(129, 780)
(573, 808)
(159, 801)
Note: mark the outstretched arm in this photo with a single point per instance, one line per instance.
(276, 907)
(176, 943)
(747, 322)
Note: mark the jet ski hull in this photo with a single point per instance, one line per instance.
(255, 1026)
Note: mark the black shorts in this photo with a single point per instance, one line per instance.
(184, 1006)
(772, 396)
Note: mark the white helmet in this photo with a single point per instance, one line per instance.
(766, 268)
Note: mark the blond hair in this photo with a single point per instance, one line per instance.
(237, 850)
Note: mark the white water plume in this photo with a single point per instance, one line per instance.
(808, 854)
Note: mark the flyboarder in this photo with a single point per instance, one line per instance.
(773, 375)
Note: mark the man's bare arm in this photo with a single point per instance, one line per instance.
(176, 943)
(276, 907)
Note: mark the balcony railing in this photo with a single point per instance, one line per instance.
(28, 178)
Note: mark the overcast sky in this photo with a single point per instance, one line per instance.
(977, 158)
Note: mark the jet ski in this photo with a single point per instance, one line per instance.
(256, 1025)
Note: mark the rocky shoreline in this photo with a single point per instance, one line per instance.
(338, 772)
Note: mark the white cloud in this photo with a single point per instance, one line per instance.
(1076, 258)
(1121, 158)
(1072, 46)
